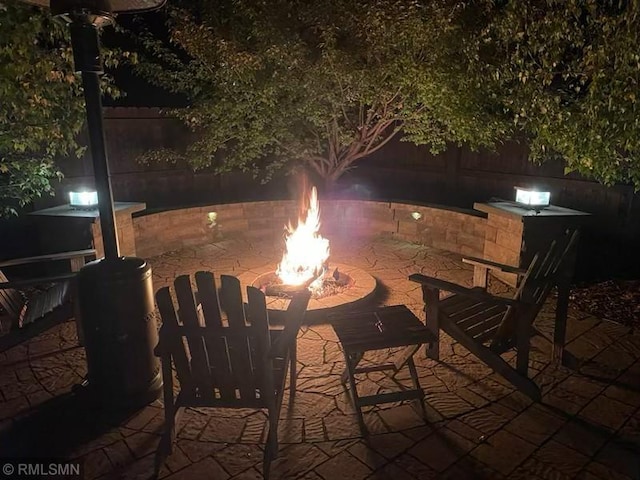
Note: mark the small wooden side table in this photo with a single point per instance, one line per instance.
(385, 327)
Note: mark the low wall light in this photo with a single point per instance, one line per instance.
(84, 199)
(212, 217)
(532, 198)
(416, 216)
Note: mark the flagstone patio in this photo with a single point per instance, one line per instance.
(587, 426)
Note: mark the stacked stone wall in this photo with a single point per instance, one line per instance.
(453, 230)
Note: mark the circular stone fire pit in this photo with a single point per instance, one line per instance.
(359, 288)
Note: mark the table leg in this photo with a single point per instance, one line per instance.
(352, 361)
(344, 378)
(416, 385)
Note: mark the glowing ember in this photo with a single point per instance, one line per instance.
(306, 251)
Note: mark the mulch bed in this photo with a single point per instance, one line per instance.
(615, 300)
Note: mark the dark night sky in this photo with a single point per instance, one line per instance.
(139, 92)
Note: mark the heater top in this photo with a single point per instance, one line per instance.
(112, 6)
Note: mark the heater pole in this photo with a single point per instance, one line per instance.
(86, 52)
(114, 293)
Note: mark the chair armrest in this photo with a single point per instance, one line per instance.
(292, 321)
(49, 257)
(477, 293)
(37, 281)
(481, 262)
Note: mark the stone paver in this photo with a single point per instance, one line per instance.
(478, 425)
(504, 451)
(343, 465)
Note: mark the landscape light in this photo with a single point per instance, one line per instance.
(532, 198)
(84, 199)
(212, 217)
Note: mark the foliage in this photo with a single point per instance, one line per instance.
(319, 83)
(568, 73)
(41, 111)
(327, 83)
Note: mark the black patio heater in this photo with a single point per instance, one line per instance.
(115, 293)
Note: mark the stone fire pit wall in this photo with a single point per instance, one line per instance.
(454, 230)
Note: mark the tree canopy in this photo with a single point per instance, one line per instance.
(320, 84)
(41, 106)
(568, 73)
(326, 84)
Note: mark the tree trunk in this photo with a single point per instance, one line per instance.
(326, 182)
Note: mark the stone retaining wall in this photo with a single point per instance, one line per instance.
(452, 230)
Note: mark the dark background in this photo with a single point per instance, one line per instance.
(400, 171)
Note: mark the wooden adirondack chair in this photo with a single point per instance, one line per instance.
(237, 362)
(25, 317)
(489, 325)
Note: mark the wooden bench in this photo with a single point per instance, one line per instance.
(25, 316)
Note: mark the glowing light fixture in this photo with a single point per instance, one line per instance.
(85, 199)
(416, 216)
(212, 217)
(532, 198)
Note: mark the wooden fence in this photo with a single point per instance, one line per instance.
(400, 171)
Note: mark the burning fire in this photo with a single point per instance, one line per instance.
(306, 251)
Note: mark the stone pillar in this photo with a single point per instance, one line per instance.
(63, 228)
(515, 234)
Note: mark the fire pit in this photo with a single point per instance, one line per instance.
(359, 290)
(325, 285)
(305, 265)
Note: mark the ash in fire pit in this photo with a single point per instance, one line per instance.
(353, 288)
(329, 284)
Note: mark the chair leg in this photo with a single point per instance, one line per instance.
(432, 350)
(293, 373)
(266, 465)
(431, 298)
(271, 448)
(523, 347)
(171, 416)
(170, 407)
(165, 449)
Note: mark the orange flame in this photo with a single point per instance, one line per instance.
(306, 251)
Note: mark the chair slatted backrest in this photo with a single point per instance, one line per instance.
(221, 363)
(540, 278)
(12, 301)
